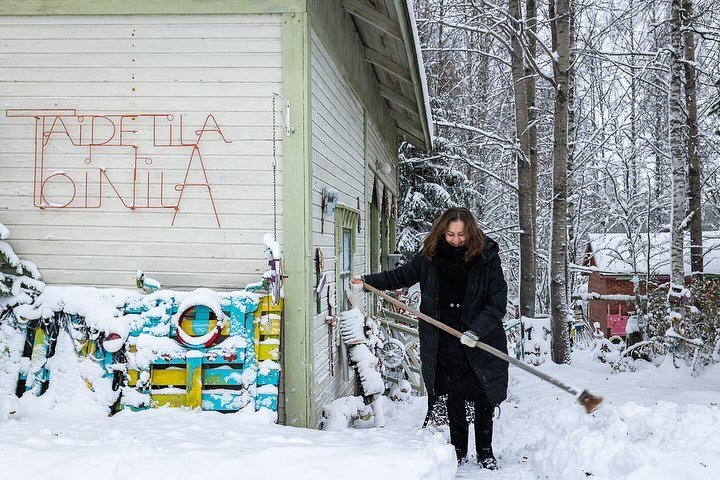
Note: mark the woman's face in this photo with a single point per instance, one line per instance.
(455, 233)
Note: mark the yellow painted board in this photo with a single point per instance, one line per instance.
(168, 376)
(268, 352)
(132, 377)
(193, 398)
(39, 339)
(269, 327)
(163, 400)
(266, 306)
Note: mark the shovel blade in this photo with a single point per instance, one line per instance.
(589, 401)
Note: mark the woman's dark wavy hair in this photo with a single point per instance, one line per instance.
(474, 237)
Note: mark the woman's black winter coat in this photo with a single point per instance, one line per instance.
(483, 311)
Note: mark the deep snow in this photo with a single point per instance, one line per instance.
(655, 423)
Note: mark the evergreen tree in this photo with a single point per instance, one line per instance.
(429, 184)
(19, 279)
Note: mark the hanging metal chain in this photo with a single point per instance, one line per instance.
(274, 165)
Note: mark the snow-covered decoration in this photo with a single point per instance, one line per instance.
(632, 325)
(613, 253)
(401, 392)
(152, 350)
(602, 346)
(116, 333)
(352, 323)
(19, 279)
(346, 412)
(367, 366)
(149, 285)
(536, 339)
(678, 294)
(360, 341)
(274, 275)
(352, 329)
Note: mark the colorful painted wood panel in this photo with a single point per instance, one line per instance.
(222, 357)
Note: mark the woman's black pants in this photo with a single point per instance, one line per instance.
(459, 426)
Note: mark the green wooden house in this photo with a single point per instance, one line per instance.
(170, 136)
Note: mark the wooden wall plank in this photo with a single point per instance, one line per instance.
(227, 66)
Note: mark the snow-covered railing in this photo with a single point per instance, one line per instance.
(402, 333)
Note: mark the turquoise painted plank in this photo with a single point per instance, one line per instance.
(239, 357)
(272, 378)
(266, 400)
(225, 401)
(172, 361)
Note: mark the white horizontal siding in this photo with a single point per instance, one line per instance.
(227, 66)
(339, 164)
(378, 153)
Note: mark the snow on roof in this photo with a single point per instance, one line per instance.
(615, 253)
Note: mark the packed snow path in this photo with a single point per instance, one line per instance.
(654, 424)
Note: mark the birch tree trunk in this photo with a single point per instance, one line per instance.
(677, 275)
(526, 201)
(694, 184)
(561, 36)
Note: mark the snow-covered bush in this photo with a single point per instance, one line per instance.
(19, 279)
(688, 334)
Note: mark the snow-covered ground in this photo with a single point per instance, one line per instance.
(656, 423)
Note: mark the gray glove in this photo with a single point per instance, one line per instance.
(356, 284)
(469, 338)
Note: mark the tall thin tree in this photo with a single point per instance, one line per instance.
(694, 182)
(677, 274)
(525, 175)
(561, 38)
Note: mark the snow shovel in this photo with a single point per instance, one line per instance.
(588, 400)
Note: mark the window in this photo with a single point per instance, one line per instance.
(346, 226)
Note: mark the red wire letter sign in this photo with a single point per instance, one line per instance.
(145, 160)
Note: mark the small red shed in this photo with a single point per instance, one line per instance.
(614, 262)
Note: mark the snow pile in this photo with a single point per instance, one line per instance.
(346, 412)
(367, 366)
(77, 385)
(656, 423)
(97, 306)
(352, 324)
(352, 330)
(181, 444)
